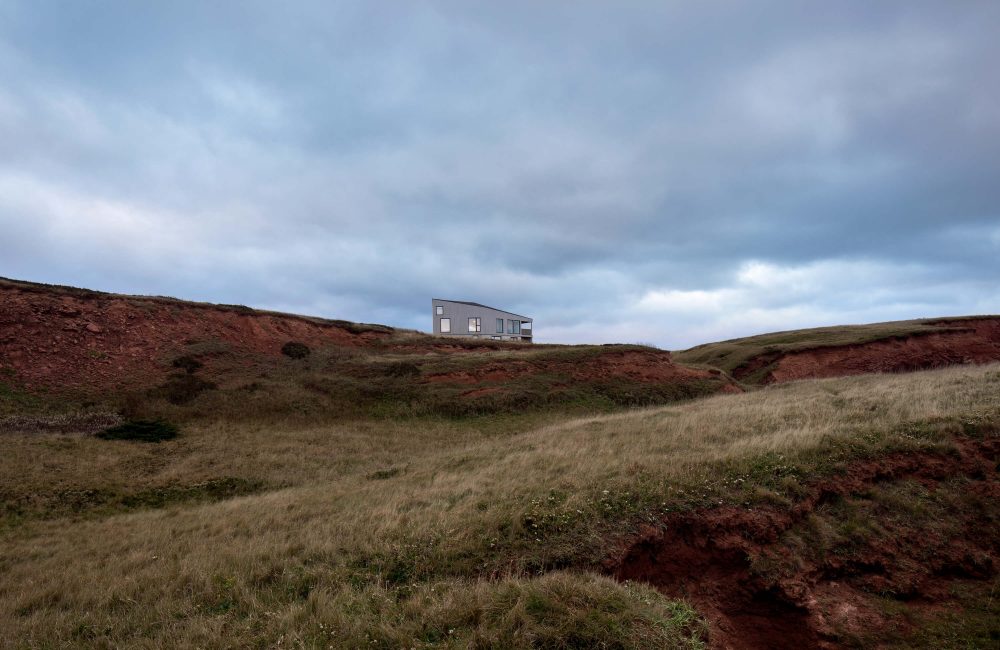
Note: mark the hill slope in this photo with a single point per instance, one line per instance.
(167, 357)
(853, 349)
(340, 495)
(854, 512)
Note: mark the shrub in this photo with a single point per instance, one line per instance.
(402, 369)
(188, 364)
(182, 388)
(295, 350)
(141, 430)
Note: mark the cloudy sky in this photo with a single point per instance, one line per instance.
(663, 172)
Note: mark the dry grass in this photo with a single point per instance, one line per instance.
(422, 532)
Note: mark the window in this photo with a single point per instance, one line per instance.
(499, 326)
(438, 309)
(445, 325)
(515, 326)
(475, 324)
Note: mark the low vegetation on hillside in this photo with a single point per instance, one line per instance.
(751, 358)
(499, 531)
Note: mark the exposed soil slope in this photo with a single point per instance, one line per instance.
(59, 336)
(832, 352)
(908, 527)
(63, 339)
(970, 341)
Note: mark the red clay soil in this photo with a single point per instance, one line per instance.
(67, 338)
(704, 556)
(969, 341)
(58, 337)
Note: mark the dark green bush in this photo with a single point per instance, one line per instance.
(295, 350)
(402, 369)
(182, 388)
(141, 430)
(188, 364)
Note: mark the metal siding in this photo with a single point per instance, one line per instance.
(461, 313)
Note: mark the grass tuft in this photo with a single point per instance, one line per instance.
(140, 430)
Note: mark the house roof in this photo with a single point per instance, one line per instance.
(476, 304)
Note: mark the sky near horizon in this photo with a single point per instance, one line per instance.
(670, 173)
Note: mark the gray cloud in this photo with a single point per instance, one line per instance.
(667, 174)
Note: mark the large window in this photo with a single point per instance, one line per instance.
(513, 327)
(445, 325)
(475, 325)
(499, 326)
(438, 309)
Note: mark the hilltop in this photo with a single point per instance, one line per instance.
(899, 346)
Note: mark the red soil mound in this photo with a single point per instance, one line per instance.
(54, 337)
(968, 341)
(818, 600)
(63, 338)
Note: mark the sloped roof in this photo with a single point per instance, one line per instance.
(476, 304)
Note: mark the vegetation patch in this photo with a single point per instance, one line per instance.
(383, 474)
(104, 501)
(295, 350)
(187, 363)
(140, 430)
(70, 422)
(402, 369)
(182, 388)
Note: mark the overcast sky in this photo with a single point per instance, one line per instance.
(663, 172)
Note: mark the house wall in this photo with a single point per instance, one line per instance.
(460, 314)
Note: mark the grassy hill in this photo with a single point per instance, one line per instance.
(388, 489)
(507, 531)
(753, 359)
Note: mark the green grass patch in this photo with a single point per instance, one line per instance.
(105, 501)
(141, 430)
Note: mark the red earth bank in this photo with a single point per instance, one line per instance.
(970, 341)
(704, 556)
(51, 338)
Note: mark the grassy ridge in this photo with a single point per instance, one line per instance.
(429, 532)
(734, 353)
(383, 381)
(145, 301)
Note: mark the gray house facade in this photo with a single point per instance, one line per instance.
(461, 318)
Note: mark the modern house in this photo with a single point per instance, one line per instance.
(461, 318)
